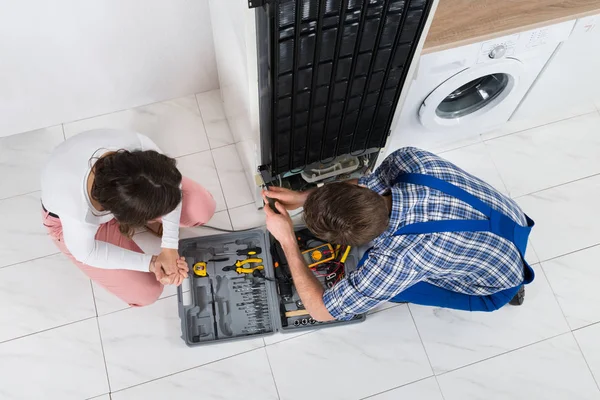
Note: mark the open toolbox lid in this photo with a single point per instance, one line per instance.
(235, 296)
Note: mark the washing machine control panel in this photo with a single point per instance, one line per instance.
(498, 48)
(498, 51)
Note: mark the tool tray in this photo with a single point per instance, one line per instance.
(226, 305)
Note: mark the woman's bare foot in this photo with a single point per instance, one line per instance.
(155, 228)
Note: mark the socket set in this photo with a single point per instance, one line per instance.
(241, 286)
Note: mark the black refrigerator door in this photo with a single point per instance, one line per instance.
(330, 75)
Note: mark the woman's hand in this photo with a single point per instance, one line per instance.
(167, 259)
(290, 199)
(280, 225)
(167, 275)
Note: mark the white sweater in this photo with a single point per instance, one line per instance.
(64, 192)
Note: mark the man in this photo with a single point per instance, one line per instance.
(440, 237)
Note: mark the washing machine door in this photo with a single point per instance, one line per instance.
(471, 96)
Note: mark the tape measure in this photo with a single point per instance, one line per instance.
(200, 269)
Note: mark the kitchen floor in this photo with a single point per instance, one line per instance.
(63, 337)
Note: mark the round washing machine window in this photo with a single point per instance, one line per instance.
(471, 94)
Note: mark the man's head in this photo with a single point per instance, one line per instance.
(347, 214)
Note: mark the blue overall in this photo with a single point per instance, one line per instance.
(497, 223)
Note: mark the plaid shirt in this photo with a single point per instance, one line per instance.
(475, 263)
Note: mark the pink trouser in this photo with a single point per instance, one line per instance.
(135, 287)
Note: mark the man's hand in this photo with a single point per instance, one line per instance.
(280, 225)
(290, 199)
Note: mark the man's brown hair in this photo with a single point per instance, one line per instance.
(347, 214)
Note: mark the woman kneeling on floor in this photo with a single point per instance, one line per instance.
(100, 185)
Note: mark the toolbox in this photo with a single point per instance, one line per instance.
(241, 286)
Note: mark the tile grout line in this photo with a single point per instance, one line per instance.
(439, 387)
(460, 147)
(585, 326)
(230, 220)
(317, 329)
(243, 205)
(203, 125)
(246, 183)
(193, 154)
(103, 355)
(483, 140)
(556, 186)
(131, 108)
(272, 374)
(487, 150)
(290, 338)
(569, 253)
(94, 297)
(31, 259)
(100, 395)
(210, 149)
(225, 145)
(220, 183)
(536, 126)
(397, 387)
(63, 131)
(555, 297)
(129, 307)
(112, 112)
(412, 317)
(585, 359)
(46, 330)
(502, 354)
(186, 370)
(20, 195)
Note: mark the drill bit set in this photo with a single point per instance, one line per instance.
(241, 285)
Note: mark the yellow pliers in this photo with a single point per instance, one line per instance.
(240, 269)
(249, 270)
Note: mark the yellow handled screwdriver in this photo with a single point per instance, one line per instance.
(250, 251)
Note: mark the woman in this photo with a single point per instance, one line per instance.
(100, 185)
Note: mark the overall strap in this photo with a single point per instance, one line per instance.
(496, 222)
(448, 188)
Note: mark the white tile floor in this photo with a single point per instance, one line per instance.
(63, 338)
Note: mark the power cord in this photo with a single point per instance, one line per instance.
(240, 230)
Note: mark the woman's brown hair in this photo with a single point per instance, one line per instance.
(136, 186)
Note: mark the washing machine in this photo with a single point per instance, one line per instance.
(459, 93)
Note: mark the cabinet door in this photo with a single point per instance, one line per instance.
(570, 83)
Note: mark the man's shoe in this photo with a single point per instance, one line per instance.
(519, 297)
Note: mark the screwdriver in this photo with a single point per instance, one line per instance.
(250, 251)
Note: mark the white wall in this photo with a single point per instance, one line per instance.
(235, 45)
(65, 60)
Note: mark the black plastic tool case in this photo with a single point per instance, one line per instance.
(244, 306)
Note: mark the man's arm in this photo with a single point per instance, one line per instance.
(308, 287)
